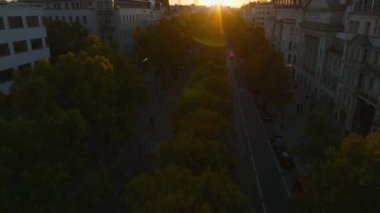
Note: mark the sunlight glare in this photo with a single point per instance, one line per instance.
(216, 2)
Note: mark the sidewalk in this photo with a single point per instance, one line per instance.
(138, 154)
(292, 127)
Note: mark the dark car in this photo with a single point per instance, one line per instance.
(285, 159)
(265, 115)
(278, 143)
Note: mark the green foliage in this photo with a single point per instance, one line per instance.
(202, 123)
(189, 151)
(175, 189)
(156, 43)
(193, 171)
(194, 98)
(264, 68)
(61, 123)
(266, 73)
(64, 37)
(320, 134)
(349, 179)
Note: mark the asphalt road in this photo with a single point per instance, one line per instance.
(262, 179)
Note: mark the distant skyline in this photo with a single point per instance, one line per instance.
(234, 3)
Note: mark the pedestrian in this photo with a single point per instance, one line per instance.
(151, 121)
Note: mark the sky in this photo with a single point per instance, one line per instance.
(234, 3)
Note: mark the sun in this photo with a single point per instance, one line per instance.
(215, 2)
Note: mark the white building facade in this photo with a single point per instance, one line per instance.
(22, 38)
(114, 21)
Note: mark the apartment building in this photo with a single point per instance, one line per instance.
(335, 48)
(114, 21)
(22, 39)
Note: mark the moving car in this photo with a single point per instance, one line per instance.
(278, 143)
(265, 115)
(285, 159)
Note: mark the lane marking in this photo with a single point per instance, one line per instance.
(275, 158)
(253, 164)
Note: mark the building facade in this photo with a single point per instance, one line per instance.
(114, 21)
(334, 46)
(22, 38)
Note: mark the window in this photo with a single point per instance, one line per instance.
(370, 84)
(70, 19)
(367, 27)
(353, 27)
(66, 5)
(4, 50)
(63, 18)
(6, 75)
(1, 23)
(84, 20)
(20, 46)
(36, 44)
(15, 22)
(32, 21)
(364, 56)
(375, 56)
(76, 18)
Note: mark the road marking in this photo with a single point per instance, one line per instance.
(253, 164)
(275, 158)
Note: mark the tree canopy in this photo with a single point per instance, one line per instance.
(64, 37)
(349, 180)
(264, 67)
(176, 189)
(320, 134)
(61, 126)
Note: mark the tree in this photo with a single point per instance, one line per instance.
(194, 98)
(264, 68)
(176, 189)
(196, 153)
(266, 73)
(156, 43)
(348, 181)
(320, 134)
(64, 37)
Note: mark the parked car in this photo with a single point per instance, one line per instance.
(266, 116)
(278, 143)
(285, 159)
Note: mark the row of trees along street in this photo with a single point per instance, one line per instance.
(62, 124)
(343, 175)
(264, 68)
(193, 171)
